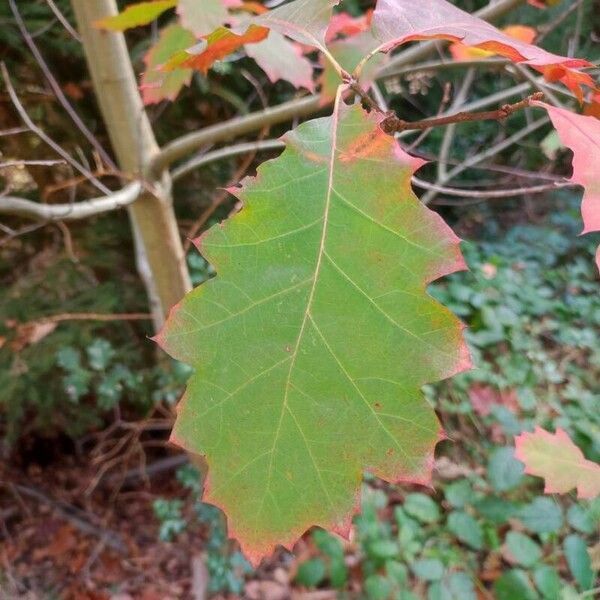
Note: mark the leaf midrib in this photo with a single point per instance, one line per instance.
(306, 317)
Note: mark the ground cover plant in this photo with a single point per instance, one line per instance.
(313, 349)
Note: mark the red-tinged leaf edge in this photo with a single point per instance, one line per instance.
(392, 19)
(463, 362)
(581, 133)
(219, 44)
(523, 440)
(343, 528)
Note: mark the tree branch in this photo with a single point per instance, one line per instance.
(392, 124)
(21, 207)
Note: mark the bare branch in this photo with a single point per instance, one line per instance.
(56, 87)
(73, 211)
(186, 144)
(43, 136)
(392, 124)
(63, 20)
(489, 194)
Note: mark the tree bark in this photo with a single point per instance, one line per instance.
(159, 252)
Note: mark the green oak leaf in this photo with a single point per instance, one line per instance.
(311, 345)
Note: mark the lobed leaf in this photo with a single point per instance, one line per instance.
(216, 46)
(280, 58)
(399, 21)
(202, 16)
(311, 345)
(135, 15)
(460, 51)
(158, 85)
(581, 134)
(304, 21)
(559, 461)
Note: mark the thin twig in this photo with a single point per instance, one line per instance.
(56, 88)
(392, 124)
(72, 211)
(65, 23)
(30, 163)
(489, 194)
(94, 317)
(43, 136)
(489, 152)
(70, 512)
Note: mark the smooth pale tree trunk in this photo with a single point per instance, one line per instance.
(159, 252)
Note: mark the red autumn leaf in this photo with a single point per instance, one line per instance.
(399, 21)
(581, 134)
(559, 461)
(592, 108)
(347, 25)
(277, 56)
(484, 397)
(219, 44)
(520, 32)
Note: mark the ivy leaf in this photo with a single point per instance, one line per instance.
(202, 16)
(313, 342)
(135, 15)
(579, 560)
(156, 84)
(559, 461)
(399, 21)
(582, 135)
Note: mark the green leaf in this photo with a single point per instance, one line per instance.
(422, 508)
(579, 561)
(428, 569)
(466, 529)
(495, 509)
(311, 572)
(135, 15)
(505, 472)
(543, 515)
(581, 519)
(522, 549)
(158, 85)
(378, 587)
(456, 586)
(69, 359)
(310, 349)
(547, 581)
(514, 585)
(459, 493)
(383, 549)
(100, 353)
